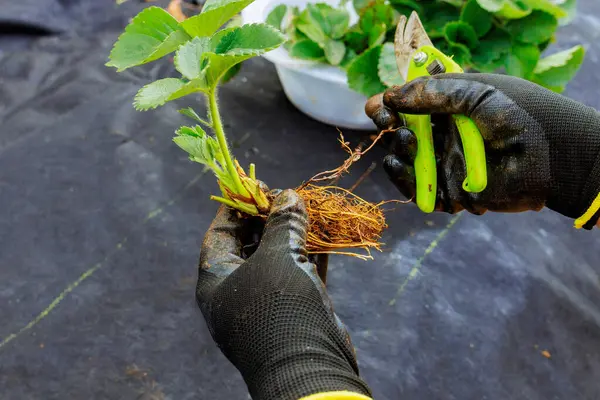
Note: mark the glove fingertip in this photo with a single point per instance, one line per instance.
(287, 201)
(404, 98)
(401, 175)
(383, 117)
(287, 223)
(404, 145)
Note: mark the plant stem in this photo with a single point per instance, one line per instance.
(205, 123)
(217, 126)
(247, 208)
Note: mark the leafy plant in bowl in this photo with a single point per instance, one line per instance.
(482, 35)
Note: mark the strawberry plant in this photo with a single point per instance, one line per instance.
(481, 35)
(205, 55)
(207, 52)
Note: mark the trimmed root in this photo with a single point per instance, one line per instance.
(354, 155)
(340, 220)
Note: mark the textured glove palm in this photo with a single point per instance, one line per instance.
(542, 148)
(270, 314)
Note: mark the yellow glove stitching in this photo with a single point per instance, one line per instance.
(342, 395)
(579, 222)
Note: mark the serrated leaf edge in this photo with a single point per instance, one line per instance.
(380, 69)
(350, 84)
(127, 31)
(208, 12)
(138, 95)
(176, 59)
(277, 32)
(571, 52)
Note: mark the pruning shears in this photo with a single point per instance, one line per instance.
(416, 57)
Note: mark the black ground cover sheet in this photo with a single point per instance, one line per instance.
(101, 217)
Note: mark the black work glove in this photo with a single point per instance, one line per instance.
(270, 314)
(542, 149)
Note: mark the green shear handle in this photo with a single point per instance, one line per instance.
(425, 162)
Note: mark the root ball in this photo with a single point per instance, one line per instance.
(339, 220)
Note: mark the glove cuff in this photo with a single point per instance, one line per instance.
(344, 395)
(591, 217)
(591, 200)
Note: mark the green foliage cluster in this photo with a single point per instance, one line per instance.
(481, 35)
(207, 52)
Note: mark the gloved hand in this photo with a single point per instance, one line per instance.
(542, 149)
(270, 313)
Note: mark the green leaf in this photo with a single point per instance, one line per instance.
(356, 40)
(256, 38)
(201, 147)
(378, 14)
(547, 6)
(492, 50)
(536, 28)
(188, 59)
(234, 22)
(509, 9)
(164, 90)
(334, 51)
(479, 19)
(204, 149)
(488, 65)
(191, 113)
(348, 58)
(213, 16)
(295, 35)
(332, 21)
(460, 53)
(522, 59)
(461, 33)
(307, 50)
(455, 3)
(215, 4)
(362, 73)
(570, 8)
(194, 132)
(231, 73)
(157, 93)
(387, 68)
(237, 45)
(193, 86)
(306, 24)
(339, 20)
(315, 12)
(275, 17)
(405, 7)
(436, 18)
(556, 70)
(152, 34)
(216, 38)
(377, 35)
(361, 5)
(194, 146)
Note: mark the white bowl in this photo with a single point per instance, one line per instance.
(319, 90)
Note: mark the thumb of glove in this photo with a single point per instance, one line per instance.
(286, 229)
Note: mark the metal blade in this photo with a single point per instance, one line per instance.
(410, 36)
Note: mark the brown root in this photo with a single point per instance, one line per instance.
(355, 155)
(340, 220)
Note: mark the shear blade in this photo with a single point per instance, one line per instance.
(410, 36)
